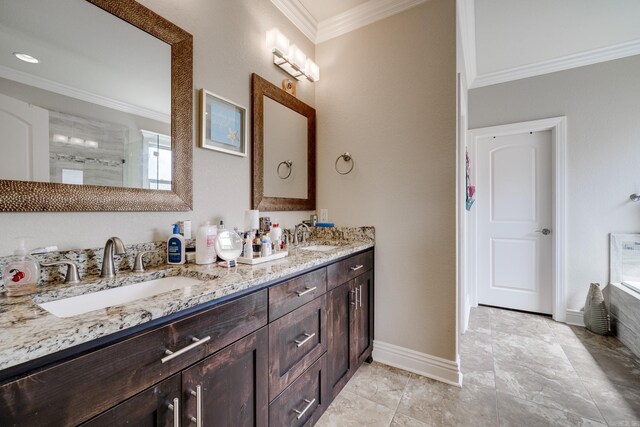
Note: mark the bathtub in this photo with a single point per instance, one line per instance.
(624, 306)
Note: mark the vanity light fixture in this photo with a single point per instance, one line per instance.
(291, 58)
(26, 58)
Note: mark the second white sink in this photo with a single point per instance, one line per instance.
(73, 306)
(319, 248)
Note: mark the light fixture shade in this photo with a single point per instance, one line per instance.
(297, 58)
(312, 70)
(277, 43)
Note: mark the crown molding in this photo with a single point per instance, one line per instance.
(357, 17)
(467, 25)
(299, 16)
(362, 15)
(589, 57)
(83, 95)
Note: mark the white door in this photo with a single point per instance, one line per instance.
(24, 141)
(514, 193)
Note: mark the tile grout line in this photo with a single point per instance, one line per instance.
(582, 382)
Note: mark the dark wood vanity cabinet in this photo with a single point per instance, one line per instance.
(350, 331)
(230, 387)
(150, 408)
(276, 357)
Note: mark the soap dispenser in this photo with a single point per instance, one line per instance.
(21, 276)
(175, 247)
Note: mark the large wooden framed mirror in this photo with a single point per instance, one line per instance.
(104, 120)
(284, 150)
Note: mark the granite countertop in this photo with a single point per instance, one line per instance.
(28, 332)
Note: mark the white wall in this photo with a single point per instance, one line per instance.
(511, 33)
(387, 96)
(602, 109)
(229, 44)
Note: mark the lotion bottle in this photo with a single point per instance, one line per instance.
(206, 244)
(175, 247)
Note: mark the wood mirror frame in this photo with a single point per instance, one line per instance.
(259, 89)
(27, 196)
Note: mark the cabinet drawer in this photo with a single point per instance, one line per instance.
(92, 383)
(295, 342)
(347, 269)
(296, 292)
(304, 401)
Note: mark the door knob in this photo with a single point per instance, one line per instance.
(544, 231)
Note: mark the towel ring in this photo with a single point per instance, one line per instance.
(347, 158)
(288, 164)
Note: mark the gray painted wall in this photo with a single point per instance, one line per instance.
(602, 105)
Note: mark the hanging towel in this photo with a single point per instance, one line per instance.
(471, 189)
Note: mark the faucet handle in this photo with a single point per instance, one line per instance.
(138, 266)
(72, 275)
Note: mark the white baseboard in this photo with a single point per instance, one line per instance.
(575, 317)
(446, 371)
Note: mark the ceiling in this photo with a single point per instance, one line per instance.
(506, 40)
(321, 20)
(324, 9)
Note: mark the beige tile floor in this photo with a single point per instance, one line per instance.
(519, 370)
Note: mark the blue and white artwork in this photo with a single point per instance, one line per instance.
(226, 124)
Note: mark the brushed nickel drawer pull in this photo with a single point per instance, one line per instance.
(306, 291)
(356, 267)
(306, 408)
(175, 407)
(196, 342)
(198, 418)
(308, 337)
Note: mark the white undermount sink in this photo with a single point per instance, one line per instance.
(319, 248)
(73, 306)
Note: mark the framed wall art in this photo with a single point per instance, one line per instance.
(222, 125)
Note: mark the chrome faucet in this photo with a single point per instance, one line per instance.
(295, 233)
(114, 246)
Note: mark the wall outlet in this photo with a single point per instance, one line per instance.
(324, 215)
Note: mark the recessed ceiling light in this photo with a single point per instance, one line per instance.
(26, 58)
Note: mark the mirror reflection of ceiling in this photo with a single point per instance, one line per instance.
(103, 66)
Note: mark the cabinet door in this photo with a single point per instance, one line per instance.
(149, 408)
(229, 388)
(340, 323)
(363, 325)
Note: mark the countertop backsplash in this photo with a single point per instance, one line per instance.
(90, 260)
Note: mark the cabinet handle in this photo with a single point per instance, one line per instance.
(175, 407)
(354, 292)
(306, 291)
(306, 408)
(308, 337)
(196, 342)
(198, 418)
(359, 296)
(356, 267)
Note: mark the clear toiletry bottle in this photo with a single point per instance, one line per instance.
(21, 275)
